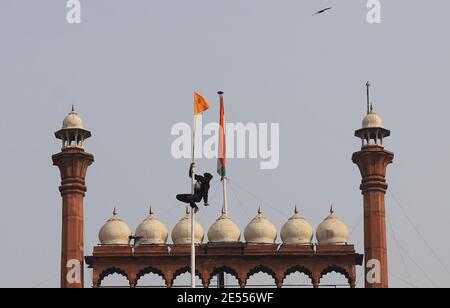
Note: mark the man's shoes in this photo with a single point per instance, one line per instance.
(194, 207)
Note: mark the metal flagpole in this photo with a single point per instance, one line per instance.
(192, 209)
(368, 97)
(225, 198)
(224, 178)
(221, 276)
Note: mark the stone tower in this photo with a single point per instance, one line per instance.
(372, 161)
(73, 163)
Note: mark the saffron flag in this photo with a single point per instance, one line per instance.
(222, 160)
(200, 104)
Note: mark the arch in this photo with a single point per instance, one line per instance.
(149, 270)
(184, 270)
(298, 269)
(111, 271)
(224, 269)
(262, 269)
(338, 270)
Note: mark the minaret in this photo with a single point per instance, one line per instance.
(372, 161)
(73, 163)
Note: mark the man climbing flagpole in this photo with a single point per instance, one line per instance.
(200, 106)
(199, 184)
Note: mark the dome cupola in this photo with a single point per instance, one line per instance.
(297, 231)
(332, 231)
(181, 233)
(260, 230)
(151, 231)
(224, 230)
(115, 232)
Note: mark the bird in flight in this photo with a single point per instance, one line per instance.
(322, 11)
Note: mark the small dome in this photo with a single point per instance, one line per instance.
(224, 230)
(151, 231)
(297, 231)
(181, 233)
(73, 120)
(372, 120)
(260, 230)
(115, 232)
(332, 231)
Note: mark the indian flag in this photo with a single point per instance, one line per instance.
(222, 160)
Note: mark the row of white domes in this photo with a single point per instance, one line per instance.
(296, 231)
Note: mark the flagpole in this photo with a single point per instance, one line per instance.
(192, 209)
(224, 178)
(225, 198)
(200, 105)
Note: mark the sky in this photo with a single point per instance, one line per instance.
(131, 67)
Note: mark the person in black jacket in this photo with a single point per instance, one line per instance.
(201, 189)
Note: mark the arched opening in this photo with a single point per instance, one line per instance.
(334, 277)
(261, 277)
(223, 277)
(182, 278)
(114, 278)
(298, 277)
(150, 277)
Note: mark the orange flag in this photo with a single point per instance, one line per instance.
(200, 104)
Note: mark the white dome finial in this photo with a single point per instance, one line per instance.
(115, 232)
(332, 231)
(224, 230)
(73, 120)
(181, 233)
(151, 231)
(72, 133)
(260, 230)
(297, 231)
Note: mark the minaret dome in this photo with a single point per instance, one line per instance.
(72, 133)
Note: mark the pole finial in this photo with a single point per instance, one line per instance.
(331, 209)
(115, 211)
(296, 209)
(368, 97)
(220, 92)
(151, 211)
(73, 108)
(259, 210)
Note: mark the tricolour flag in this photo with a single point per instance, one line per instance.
(222, 161)
(200, 104)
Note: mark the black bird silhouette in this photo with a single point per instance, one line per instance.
(322, 11)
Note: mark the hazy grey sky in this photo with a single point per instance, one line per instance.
(131, 68)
